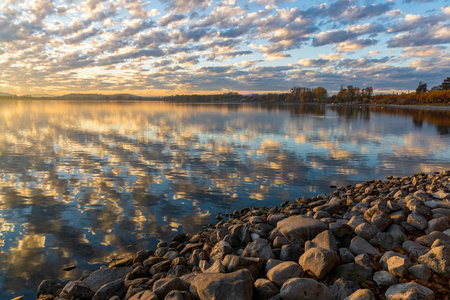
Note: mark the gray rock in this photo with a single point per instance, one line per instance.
(421, 272)
(346, 256)
(149, 262)
(319, 261)
(217, 267)
(387, 255)
(364, 260)
(415, 248)
(429, 239)
(177, 271)
(438, 259)
(233, 286)
(219, 251)
(167, 285)
(78, 289)
(355, 221)
(359, 245)
(104, 276)
(280, 241)
(399, 217)
(397, 234)
(438, 224)
(284, 271)
(351, 271)
(398, 266)
(190, 248)
(381, 220)
(342, 288)
(384, 240)
(306, 289)
(361, 294)
(170, 255)
(325, 240)
(384, 278)
(242, 231)
(160, 267)
(232, 240)
(234, 263)
(417, 220)
(332, 207)
(298, 229)
(409, 291)
(291, 252)
(144, 295)
(265, 289)
(366, 231)
(274, 219)
(107, 291)
(160, 252)
(179, 295)
(340, 229)
(259, 248)
(271, 263)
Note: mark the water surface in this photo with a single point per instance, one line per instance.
(84, 182)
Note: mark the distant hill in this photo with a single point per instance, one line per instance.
(5, 94)
(101, 96)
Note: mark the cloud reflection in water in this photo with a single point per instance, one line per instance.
(81, 182)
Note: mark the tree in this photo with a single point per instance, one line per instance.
(445, 84)
(320, 93)
(422, 88)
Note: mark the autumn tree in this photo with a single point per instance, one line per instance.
(320, 93)
(422, 88)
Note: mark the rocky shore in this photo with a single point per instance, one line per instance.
(376, 240)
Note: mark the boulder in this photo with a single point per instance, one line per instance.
(398, 266)
(298, 229)
(384, 279)
(421, 272)
(438, 259)
(359, 245)
(78, 289)
(361, 294)
(234, 263)
(233, 286)
(417, 220)
(381, 220)
(384, 240)
(319, 261)
(438, 224)
(107, 291)
(179, 295)
(284, 271)
(265, 289)
(343, 288)
(325, 240)
(219, 251)
(351, 271)
(366, 231)
(48, 287)
(415, 248)
(429, 239)
(291, 252)
(259, 248)
(305, 289)
(104, 276)
(164, 286)
(144, 295)
(409, 291)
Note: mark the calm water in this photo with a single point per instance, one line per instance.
(81, 183)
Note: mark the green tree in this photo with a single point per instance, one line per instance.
(422, 88)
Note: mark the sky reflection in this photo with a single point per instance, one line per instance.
(85, 182)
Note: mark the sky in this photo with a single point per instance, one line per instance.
(169, 47)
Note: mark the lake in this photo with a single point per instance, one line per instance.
(86, 182)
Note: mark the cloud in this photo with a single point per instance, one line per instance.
(354, 45)
(183, 6)
(350, 33)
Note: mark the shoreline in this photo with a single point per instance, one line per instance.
(377, 239)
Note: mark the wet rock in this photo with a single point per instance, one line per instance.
(161, 251)
(259, 248)
(342, 288)
(265, 289)
(409, 291)
(284, 271)
(104, 276)
(234, 286)
(438, 259)
(304, 288)
(298, 229)
(384, 279)
(48, 287)
(360, 246)
(179, 237)
(319, 261)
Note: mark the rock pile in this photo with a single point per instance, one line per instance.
(376, 240)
